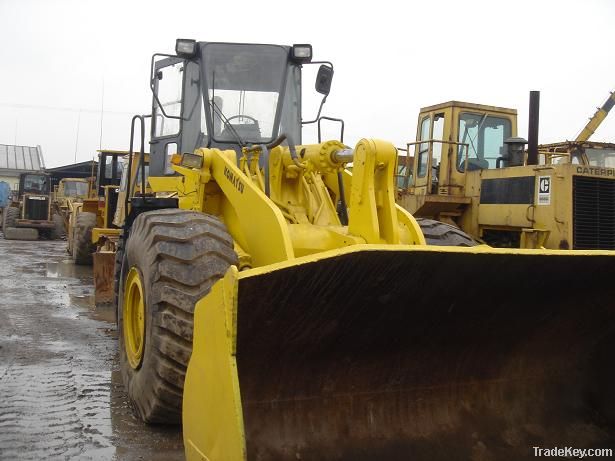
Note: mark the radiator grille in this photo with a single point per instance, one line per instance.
(36, 209)
(593, 213)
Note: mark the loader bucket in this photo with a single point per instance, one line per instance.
(405, 353)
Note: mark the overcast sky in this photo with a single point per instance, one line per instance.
(390, 58)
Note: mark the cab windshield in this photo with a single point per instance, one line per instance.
(484, 134)
(244, 89)
(34, 183)
(75, 189)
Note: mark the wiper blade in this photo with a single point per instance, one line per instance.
(226, 123)
(215, 109)
(466, 134)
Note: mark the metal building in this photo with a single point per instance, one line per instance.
(15, 160)
(85, 169)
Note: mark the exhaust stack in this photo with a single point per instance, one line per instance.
(532, 131)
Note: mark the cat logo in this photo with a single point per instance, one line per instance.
(544, 190)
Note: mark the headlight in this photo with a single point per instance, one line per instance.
(192, 161)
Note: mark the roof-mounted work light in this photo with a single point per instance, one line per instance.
(301, 53)
(185, 47)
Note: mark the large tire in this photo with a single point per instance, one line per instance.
(59, 230)
(82, 238)
(175, 256)
(442, 234)
(10, 217)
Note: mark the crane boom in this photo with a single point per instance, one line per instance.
(595, 121)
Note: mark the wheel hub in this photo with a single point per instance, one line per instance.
(134, 318)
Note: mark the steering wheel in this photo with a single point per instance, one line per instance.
(254, 121)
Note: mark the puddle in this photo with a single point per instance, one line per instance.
(32, 268)
(64, 268)
(84, 301)
(106, 313)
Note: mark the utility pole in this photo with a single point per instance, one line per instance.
(102, 112)
(77, 136)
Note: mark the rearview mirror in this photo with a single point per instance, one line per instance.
(323, 79)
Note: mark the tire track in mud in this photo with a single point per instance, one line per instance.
(57, 396)
(53, 405)
(50, 414)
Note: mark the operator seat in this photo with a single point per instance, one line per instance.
(246, 131)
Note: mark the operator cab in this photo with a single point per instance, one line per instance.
(587, 153)
(227, 96)
(110, 167)
(454, 138)
(74, 187)
(34, 183)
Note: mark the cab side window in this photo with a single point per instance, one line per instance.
(169, 82)
(423, 154)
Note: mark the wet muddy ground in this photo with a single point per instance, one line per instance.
(61, 395)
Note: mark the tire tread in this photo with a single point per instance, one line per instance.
(184, 254)
(442, 234)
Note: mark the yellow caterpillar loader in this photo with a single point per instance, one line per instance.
(68, 195)
(30, 213)
(471, 170)
(282, 307)
(104, 236)
(97, 210)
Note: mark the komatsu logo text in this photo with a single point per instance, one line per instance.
(596, 171)
(234, 180)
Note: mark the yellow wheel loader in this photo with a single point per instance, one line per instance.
(97, 209)
(104, 236)
(30, 214)
(283, 307)
(468, 168)
(68, 195)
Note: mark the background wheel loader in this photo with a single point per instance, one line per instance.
(94, 224)
(66, 196)
(30, 213)
(283, 307)
(469, 168)
(106, 234)
(97, 210)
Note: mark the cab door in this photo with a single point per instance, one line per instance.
(422, 156)
(430, 168)
(168, 88)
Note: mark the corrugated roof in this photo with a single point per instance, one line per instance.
(21, 158)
